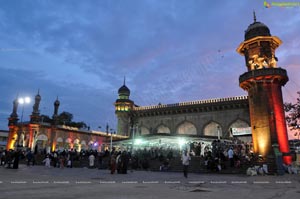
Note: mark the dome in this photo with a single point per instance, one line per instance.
(124, 90)
(56, 103)
(256, 29)
(38, 97)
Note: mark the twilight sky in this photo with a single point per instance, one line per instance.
(169, 51)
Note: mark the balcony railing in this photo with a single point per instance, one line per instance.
(263, 72)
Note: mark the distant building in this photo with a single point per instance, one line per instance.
(38, 135)
(3, 138)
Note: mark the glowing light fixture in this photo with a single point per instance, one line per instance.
(138, 141)
(181, 142)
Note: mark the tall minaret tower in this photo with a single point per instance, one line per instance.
(35, 117)
(55, 114)
(12, 125)
(263, 81)
(123, 107)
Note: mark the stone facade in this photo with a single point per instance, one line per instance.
(202, 118)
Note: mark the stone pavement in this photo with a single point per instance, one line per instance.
(41, 182)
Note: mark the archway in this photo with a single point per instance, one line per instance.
(144, 131)
(186, 128)
(42, 143)
(163, 129)
(213, 129)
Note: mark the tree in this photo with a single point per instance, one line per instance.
(46, 119)
(65, 118)
(293, 115)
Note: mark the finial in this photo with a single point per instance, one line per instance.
(57, 98)
(124, 80)
(254, 16)
(38, 91)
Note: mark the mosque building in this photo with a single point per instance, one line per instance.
(259, 114)
(39, 135)
(257, 118)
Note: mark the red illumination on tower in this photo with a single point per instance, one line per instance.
(263, 81)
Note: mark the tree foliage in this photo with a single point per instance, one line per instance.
(293, 114)
(65, 118)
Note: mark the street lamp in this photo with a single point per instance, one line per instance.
(22, 101)
(111, 132)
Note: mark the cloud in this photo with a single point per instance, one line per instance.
(169, 51)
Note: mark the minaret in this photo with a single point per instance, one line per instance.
(13, 119)
(123, 107)
(12, 125)
(35, 117)
(55, 114)
(263, 81)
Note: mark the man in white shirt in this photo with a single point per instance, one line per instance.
(185, 162)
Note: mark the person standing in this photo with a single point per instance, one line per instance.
(16, 159)
(47, 161)
(112, 164)
(230, 157)
(185, 162)
(91, 160)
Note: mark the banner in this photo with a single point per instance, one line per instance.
(241, 131)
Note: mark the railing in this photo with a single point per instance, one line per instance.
(262, 72)
(197, 102)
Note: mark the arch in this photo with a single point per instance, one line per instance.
(68, 140)
(163, 129)
(144, 131)
(186, 128)
(212, 129)
(42, 137)
(83, 145)
(76, 141)
(237, 124)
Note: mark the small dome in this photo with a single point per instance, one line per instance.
(124, 90)
(256, 29)
(38, 97)
(56, 103)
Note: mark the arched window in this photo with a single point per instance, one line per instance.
(144, 131)
(186, 128)
(163, 129)
(212, 129)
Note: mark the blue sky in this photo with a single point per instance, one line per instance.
(169, 51)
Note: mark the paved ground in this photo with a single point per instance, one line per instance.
(40, 182)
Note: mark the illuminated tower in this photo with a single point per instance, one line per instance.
(263, 81)
(123, 107)
(12, 125)
(34, 125)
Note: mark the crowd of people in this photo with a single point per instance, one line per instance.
(216, 156)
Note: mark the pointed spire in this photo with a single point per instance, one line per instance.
(38, 91)
(124, 80)
(254, 16)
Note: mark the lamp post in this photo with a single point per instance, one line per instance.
(23, 101)
(111, 134)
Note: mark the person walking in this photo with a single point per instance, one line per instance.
(185, 162)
